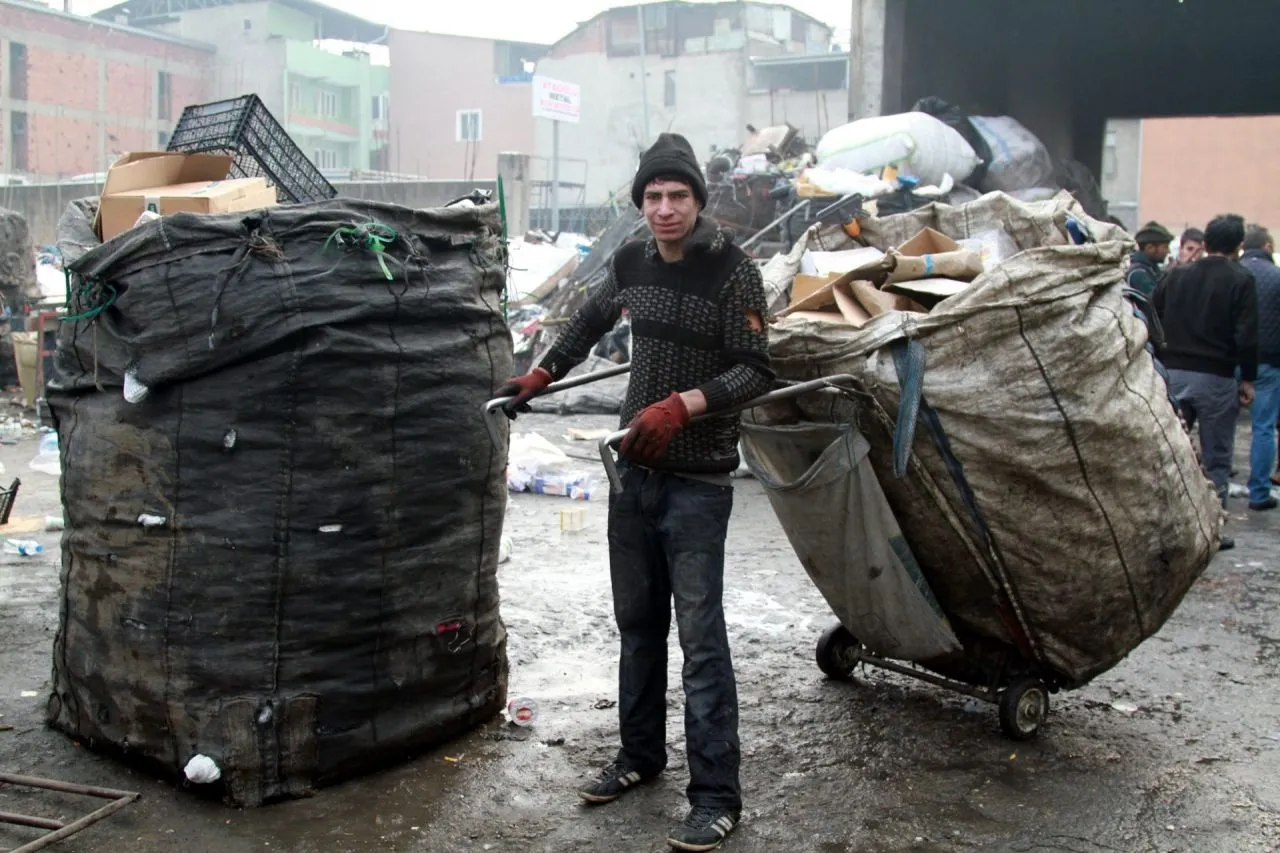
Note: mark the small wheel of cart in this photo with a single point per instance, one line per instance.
(838, 653)
(1024, 705)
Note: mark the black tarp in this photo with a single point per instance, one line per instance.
(284, 557)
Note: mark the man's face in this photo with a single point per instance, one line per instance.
(1190, 252)
(1157, 252)
(671, 209)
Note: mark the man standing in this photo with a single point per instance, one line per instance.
(1190, 247)
(1209, 311)
(697, 310)
(1258, 259)
(1144, 264)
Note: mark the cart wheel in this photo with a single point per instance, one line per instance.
(1024, 705)
(838, 653)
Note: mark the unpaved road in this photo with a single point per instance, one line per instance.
(1177, 749)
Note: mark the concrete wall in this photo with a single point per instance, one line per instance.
(43, 204)
(248, 62)
(1121, 178)
(92, 90)
(813, 113)
(1193, 169)
(710, 109)
(432, 78)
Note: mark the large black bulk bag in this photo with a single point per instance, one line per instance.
(283, 555)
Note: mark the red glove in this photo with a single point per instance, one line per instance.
(652, 430)
(522, 389)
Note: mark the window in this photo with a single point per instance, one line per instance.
(164, 95)
(17, 71)
(248, 24)
(380, 108)
(295, 97)
(511, 60)
(19, 146)
(669, 90)
(470, 126)
(326, 158)
(162, 140)
(327, 104)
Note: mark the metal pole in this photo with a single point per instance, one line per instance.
(644, 82)
(555, 176)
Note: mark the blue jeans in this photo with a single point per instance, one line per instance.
(1262, 452)
(666, 540)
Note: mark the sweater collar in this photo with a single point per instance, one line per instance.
(707, 238)
(1258, 255)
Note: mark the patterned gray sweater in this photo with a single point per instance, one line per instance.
(698, 323)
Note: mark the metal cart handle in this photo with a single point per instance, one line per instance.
(613, 439)
(494, 406)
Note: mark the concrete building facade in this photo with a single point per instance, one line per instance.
(304, 59)
(460, 102)
(76, 92)
(706, 70)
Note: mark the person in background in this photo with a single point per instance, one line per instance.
(1209, 310)
(1257, 259)
(700, 348)
(1190, 247)
(1144, 265)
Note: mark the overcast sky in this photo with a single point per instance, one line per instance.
(522, 20)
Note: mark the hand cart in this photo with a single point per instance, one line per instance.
(989, 670)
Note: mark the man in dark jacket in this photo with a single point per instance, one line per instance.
(697, 310)
(1209, 310)
(1258, 259)
(1144, 265)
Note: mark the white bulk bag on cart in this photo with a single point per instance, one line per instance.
(1051, 496)
(918, 143)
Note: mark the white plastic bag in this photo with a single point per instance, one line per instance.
(919, 144)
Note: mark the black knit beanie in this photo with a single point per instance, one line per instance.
(670, 157)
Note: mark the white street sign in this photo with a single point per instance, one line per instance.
(556, 100)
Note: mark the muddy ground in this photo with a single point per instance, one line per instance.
(1176, 749)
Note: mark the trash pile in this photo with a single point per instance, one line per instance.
(279, 564)
(1051, 508)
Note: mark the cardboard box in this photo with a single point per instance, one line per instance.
(169, 183)
(805, 286)
(936, 289)
(932, 254)
(847, 289)
(878, 302)
(868, 261)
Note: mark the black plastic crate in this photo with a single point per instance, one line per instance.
(244, 127)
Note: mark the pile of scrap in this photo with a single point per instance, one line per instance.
(261, 591)
(774, 188)
(1018, 424)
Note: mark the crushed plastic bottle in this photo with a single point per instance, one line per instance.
(23, 547)
(47, 460)
(523, 711)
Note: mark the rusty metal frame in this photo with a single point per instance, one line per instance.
(58, 829)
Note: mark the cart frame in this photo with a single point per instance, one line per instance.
(1023, 700)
